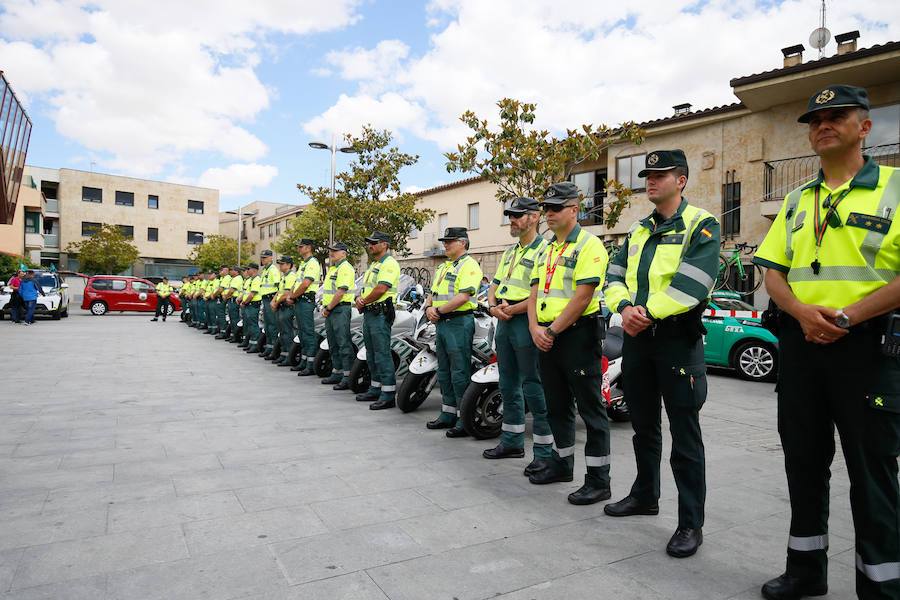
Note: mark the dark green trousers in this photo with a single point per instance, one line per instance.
(270, 322)
(453, 345)
(337, 330)
(221, 308)
(251, 322)
(233, 315)
(571, 375)
(520, 383)
(377, 338)
(850, 385)
(285, 317)
(670, 367)
(201, 312)
(305, 318)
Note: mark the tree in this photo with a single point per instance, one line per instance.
(524, 161)
(10, 263)
(218, 250)
(367, 197)
(107, 252)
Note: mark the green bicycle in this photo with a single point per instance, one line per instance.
(734, 275)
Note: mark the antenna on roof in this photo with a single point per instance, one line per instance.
(820, 36)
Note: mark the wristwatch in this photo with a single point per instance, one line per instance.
(842, 320)
(551, 333)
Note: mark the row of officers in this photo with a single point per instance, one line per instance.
(833, 269)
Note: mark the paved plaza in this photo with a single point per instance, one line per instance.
(143, 460)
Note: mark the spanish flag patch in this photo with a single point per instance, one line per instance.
(706, 232)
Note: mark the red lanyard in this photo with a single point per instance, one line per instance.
(551, 267)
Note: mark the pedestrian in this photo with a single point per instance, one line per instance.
(660, 283)
(567, 327)
(251, 303)
(833, 268)
(284, 312)
(309, 273)
(221, 298)
(517, 356)
(451, 307)
(163, 291)
(232, 298)
(29, 290)
(376, 302)
(15, 299)
(340, 282)
(269, 277)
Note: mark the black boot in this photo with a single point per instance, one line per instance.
(534, 466)
(788, 587)
(383, 404)
(457, 432)
(684, 542)
(629, 506)
(590, 493)
(501, 451)
(554, 473)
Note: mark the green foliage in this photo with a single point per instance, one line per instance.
(367, 197)
(218, 250)
(9, 264)
(107, 252)
(524, 161)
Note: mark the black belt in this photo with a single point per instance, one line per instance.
(378, 307)
(454, 314)
(267, 295)
(590, 319)
(341, 304)
(253, 303)
(307, 297)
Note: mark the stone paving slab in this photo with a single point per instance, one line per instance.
(161, 464)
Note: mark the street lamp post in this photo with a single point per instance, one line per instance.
(334, 150)
(240, 231)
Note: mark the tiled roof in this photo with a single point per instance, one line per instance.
(449, 186)
(815, 64)
(696, 114)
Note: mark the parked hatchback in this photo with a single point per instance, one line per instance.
(735, 338)
(105, 293)
(53, 303)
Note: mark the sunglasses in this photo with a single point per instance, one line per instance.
(555, 208)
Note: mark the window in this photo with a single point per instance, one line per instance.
(885, 126)
(194, 237)
(262, 233)
(592, 185)
(277, 227)
(102, 284)
(195, 207)
(140, 286)
(32, 222)
(88, 228)
(473, 216)
(270, 230)
(153, 202)
(89, 194)
(504, 218)
(118, 285)
(124, 198)
(413, 232)
(127, 231)
(627, 169)
(152, 234)
(731, 206)
(442, 223)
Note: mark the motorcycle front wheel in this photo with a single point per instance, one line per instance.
(481, 410)
(414, 390)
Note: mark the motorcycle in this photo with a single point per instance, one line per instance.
(422, 376)
(481, 408)
(408, 310)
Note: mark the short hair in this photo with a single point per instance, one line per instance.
(680, 171)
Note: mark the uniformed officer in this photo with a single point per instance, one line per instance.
(221, 299)
(251, 301)
(450, 307)
(244, 341)
(163, 291)
(567, 327)
(269, 277)
(309, 273)
(376, 302)
(212, 283)
(517, 356)
(833, 260)
(339, 286)
(284, 311)
(660, 284)
(232, 295)
(199, 298)
(183, 293)
(194, 282)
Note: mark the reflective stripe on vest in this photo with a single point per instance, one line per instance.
(517, 286)
(451, 283)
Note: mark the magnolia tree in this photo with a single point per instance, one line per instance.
(524, 161)
(367, 197)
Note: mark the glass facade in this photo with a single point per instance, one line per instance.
(15, 133)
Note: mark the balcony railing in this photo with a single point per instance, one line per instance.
(34, 241)
(782, 176)
(51, 240)
(433, 247)
(52, 205)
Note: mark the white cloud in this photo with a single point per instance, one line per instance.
(143, 84)
(348, 115)
(628, 61)
(238, 179)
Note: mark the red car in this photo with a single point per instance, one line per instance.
(104, 293)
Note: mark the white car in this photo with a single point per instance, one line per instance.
(54, 302)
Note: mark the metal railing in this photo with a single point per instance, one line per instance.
(784, 175)
(52, 205)
(51, 240)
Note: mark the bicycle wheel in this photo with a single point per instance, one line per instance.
(724, 270)
(742, 279)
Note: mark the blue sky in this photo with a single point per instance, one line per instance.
(228, 94)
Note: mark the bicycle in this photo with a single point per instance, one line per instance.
(728, 263)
